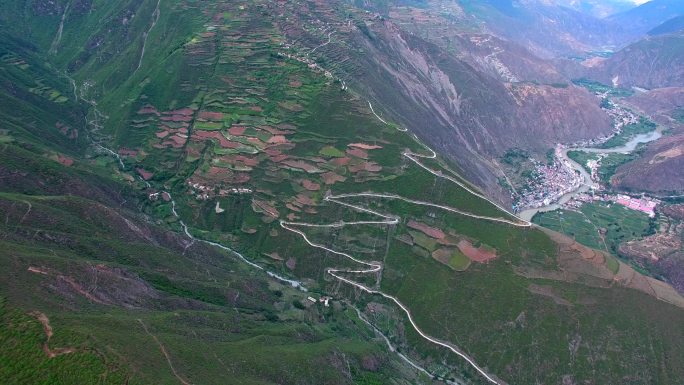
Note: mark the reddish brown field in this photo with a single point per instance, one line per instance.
(476, 254)
(65, 160)
(146, 175)
(277, 139)
(311, 186)
(223, 142)
(427, 230)
(364, 146)
(341, 161)
(332, 178)
(300, 165)
(357, 153)
(237, 130)
(214, 116)
(148, 110)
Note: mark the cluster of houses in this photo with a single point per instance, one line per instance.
(548, 184)
(645, 205)
(204, 192)
(325, 300)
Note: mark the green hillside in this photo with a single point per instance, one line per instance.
(152, 129)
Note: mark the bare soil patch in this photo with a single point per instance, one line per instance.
(480, 254)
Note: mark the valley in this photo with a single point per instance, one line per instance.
(309, 192)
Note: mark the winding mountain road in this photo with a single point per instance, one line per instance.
(375, 267)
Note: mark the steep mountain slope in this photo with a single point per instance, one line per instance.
(665, 105)
(671, 26)
(639, 20)
(248, 124)
(467, 114)
(652, 62)
(658, 169)
(443, 24)
(547, 29)
(125, 297)
(598, 8)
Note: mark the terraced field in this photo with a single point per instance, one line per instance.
(215, 154)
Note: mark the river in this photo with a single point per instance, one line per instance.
(587, 183)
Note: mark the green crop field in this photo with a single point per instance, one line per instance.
(630, 131)
(586, 225)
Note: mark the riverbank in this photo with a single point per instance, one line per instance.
(587, 182)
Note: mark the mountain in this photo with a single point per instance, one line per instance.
(638, 21)
(662, 104)
(99, 285)
(657, 170)
(652, 62)
(671, 26)
(549, 30)
(246, 192)
(464, 96)
(598, 8)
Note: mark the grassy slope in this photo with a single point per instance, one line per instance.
(621, 225)
(68, 221)
(197, 301)
(209, 69)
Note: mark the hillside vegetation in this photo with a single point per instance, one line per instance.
(178, 177)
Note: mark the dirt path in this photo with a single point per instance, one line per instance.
(58, 36)
(166, 354)
(155, 14)
(28, 211)
(51, 353)
(393, 349)
(381, 119)
(324, 44)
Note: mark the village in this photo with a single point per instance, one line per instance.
(644, 204)
(548, 184)
(551, 182)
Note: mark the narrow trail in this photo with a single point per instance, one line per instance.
(155, 14)
(163, 350)
(414, 157)
(381, 119)
(58, 36)
(394, 350)
(291, 282)
(28, 211)
(324, 44)
(45, 321)
(95, 122)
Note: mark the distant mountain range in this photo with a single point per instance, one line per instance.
(670, 26)
(597, 8)
(638, 21)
